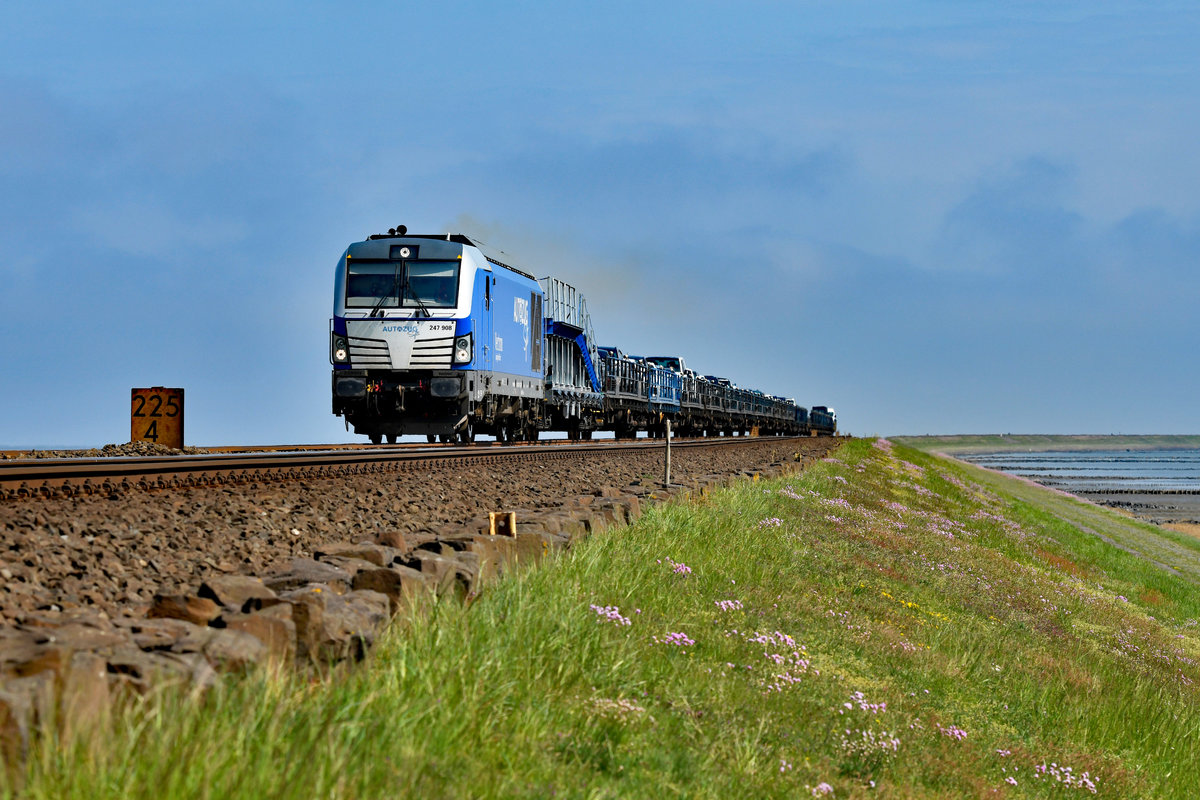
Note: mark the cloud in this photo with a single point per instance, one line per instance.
(1148, 260)
(1018, 239)
(1015, 220)
(663, 182)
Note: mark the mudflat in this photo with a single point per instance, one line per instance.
(1169, 509)
(1145, 478)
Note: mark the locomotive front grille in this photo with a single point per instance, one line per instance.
(434, 353)
(369, 352)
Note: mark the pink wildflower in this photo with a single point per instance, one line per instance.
(954, 732)
(678, 639)
(610, 613)
(679, 568)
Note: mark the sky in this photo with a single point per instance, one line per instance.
(947, 216)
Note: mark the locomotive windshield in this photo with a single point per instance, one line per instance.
(401, 284)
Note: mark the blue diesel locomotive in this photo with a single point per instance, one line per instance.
(823, 420)
(432, 337)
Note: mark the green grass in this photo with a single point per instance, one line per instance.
(887, 624)
(1004, 442)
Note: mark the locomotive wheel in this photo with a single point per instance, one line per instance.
(446, 438)
(532, 433)
(391, 438)
(467, 434)
(375, 438)
(430, 438)
(503, 432)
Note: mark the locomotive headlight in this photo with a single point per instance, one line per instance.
(462, 349)
(340, 349)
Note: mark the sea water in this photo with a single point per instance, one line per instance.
(1101, 470)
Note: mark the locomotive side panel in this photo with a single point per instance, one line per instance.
(517, 339)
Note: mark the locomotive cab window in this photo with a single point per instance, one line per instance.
(401, 284)
(434, 283)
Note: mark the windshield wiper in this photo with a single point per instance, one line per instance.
(406, 289)
(395, 283)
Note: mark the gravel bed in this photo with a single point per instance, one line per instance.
(128, 449)
(113, 554)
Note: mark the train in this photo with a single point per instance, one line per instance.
(430, 336)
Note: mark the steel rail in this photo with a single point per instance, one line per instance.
(52, 477)
(6, 455)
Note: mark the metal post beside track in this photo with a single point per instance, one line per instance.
(667, 477)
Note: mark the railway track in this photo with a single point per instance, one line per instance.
(54, 477)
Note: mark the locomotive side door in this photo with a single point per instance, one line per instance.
(485, 349)
(537, 332)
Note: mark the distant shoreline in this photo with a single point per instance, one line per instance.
(1026, 442)
(1174, 507)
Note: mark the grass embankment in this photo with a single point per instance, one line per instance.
(887, 625)
(1003, 442)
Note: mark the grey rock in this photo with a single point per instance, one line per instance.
(378, 554)
(159, 633)
(240, 592)
(332, 627)
(303, 571)
(196, 610)
(398, 583)
(272, 626)
(138, 672)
